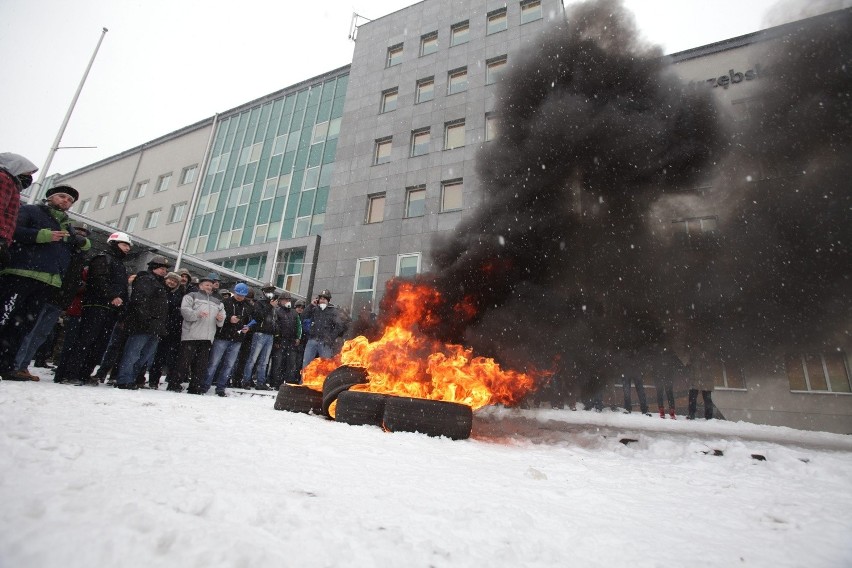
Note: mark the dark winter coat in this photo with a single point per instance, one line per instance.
(264, 314)
(107, 278)
(148, 308)
(289, 325)
(175, 320)
(72, 281)
(230, 331)
(326, 325)
(33, 252)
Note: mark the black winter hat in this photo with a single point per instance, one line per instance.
(63, 189)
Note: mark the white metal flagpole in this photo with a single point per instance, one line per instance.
(43, 171)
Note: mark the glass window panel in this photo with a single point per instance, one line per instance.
(188, 175)
(415, 202)
(837, 375)
(383, 152)
(497, 22)
(816, 374)
(259, 234)
(408, 265)
(454, 136)
(130, 223)
(376, 209)
(494, 70)
(734, 376)
(420, 142)
(325, 175)
(366, 274)
(452, 196)
(152, 218)
(530, 11)
(84, 206)
(302, 228)
(317, 223)
(311, 178)
(491, 127)
(429, 44)
(460, 33)
(121, 195)
(457, 81)
(394, 55)
(279, 144)
(796, 373)
(320, 132)
(141, 189)
(163, 182)
(425, 90)
(389, 99)
(334, 128)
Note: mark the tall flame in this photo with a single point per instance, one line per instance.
(405, 362)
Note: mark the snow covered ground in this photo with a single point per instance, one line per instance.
(97, 477)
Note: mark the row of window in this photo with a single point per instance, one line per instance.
(495, 21)
(420, 140)
(188, 175)
(424, 89)
(366, 275)
(452, 199)
(152, 218)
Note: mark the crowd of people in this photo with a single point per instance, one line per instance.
(138, 329)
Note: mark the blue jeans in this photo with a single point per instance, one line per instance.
(316, 349)
(223, 355)
(138, 352)
(45, 323)
(261, 347)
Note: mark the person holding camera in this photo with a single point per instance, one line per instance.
(43, 246)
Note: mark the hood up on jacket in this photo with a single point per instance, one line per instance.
(16, 164)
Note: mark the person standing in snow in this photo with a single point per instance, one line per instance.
(44, 243)
(326, 327)
(202, 314)
(700, 378)
(265, 329)
(632, 372)
(16, 175)
(167, 349)
(229, 339)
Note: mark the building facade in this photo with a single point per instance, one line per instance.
(341, 181)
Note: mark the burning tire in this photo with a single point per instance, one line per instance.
(338, 381)
(358, 408)
(430, 417)
(296, 398)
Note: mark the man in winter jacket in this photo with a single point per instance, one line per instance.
(265, 329)
(41, 252)
(229, 339)
(146, 321)
(169, 345)
(326, 327)
(285, 366)
(16, 175)
(202, 314)
(106, 293)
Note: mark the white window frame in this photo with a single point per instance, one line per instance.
(189, 174)
(356, 290)
(400, 257)
(152, 218)
(408, 192)
(451, 130)
(129, 224)
(102, 201)
(121, 195)
(140, 190)
(163, 182)
(492, 126)
(177, 212)
(84, 206)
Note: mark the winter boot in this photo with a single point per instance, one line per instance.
(672, 414)
(662, 412)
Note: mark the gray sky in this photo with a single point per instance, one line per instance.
(165, 64)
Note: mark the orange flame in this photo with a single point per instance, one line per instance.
(405, 362)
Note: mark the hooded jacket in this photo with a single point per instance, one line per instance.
(148, 308)
(195, 327)
(11, 166)
(106, 279)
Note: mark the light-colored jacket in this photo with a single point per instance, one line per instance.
(195, 327)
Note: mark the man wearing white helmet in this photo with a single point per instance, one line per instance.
(103, 301)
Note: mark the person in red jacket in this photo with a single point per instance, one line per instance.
(16, 175)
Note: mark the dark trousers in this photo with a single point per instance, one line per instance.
(284, 366)
(665, 388)
(707, 397)
(166, 357)
(111, 359)
(192, 363)
(69, 346)
(21, 300)
(95, 329)
(636, 378)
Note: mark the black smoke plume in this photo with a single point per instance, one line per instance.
(572, 260)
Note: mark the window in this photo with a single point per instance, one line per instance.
(84, 206)
(497, 22)
(152, 218)
(163, 182)
(494, 70)
(141, 189)
(121, 195)
(113, 223)
(727, 375)
(454, 135)
(365, 284)
(303, 227)
(459, 33)
(415, 201)
(389, 100)
(394, 55)
(429, 44)
(320, 132)
(491, 127)
(250, 154)
(130, 223)
(408, 264)
(279, 145)
(177, 212)
(102, 200)
(189, 174)
(383, 151)
(376, 208)
(420, 142)
(818, 372)
(530, 11)
(457, 81)
(425, 90)
(451, 195)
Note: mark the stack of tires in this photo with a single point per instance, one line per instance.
(393, 413)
